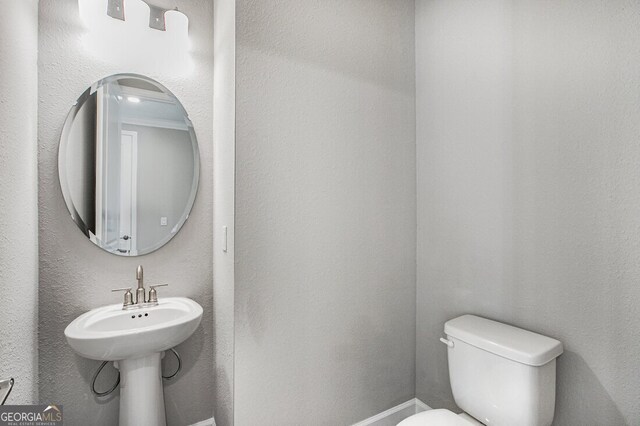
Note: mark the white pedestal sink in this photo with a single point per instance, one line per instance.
(136, 338)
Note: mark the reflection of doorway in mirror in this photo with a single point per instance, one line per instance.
(128, 192)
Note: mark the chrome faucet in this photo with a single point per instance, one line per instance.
(141, 296)
(141, 300)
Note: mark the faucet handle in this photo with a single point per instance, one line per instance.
(128, 296)
(153, 294)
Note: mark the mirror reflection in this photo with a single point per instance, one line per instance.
(128, 164)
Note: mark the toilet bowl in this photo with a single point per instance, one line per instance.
(439, 417)
(500, 375)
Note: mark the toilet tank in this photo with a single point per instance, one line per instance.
(500, 374)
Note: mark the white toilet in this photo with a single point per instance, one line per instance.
(500, 376)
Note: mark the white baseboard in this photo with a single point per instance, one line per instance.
(208, 422)
(413, 406)
(401, 411)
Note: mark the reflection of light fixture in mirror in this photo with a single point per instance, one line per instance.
(133, 100)
(115, 9)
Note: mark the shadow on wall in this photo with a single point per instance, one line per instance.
(223, 417)
(189, 351)
(108, 376)
(369, 335)
(574, 376)
(595, 409)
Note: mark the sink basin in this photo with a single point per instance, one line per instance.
(136, 339)
(110, 333)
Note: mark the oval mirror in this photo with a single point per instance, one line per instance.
(128, 164)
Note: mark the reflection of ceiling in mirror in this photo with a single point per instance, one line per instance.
(141, 103)
(138, 83)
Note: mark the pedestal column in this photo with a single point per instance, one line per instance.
(141, 394)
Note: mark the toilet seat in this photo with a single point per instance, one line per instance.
(438, 417)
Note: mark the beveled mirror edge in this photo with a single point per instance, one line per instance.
(63, 180)
(62, 153)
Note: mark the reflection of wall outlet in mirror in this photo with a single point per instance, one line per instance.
(163, 221)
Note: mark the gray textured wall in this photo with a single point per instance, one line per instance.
(76, 276)
(19, 199)
(325, 210)
(528, 199)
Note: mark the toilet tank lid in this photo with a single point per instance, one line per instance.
(516, 344)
